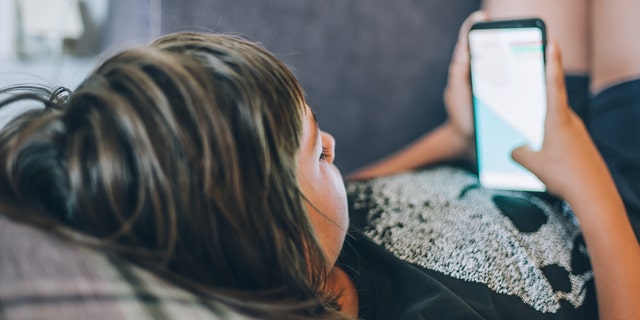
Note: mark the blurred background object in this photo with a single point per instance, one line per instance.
(373, 70)
(47, 28)
(49, 42)
(43, 26)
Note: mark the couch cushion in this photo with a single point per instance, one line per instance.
(45, 277)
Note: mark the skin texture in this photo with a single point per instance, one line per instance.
(567, 22)
(323, 187)
(595, 40)
(614, 42)
(568, 163)
(182, 157)
(580, 176)
(451, 140)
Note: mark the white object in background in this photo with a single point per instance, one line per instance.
(44, 24)
(98, 10)
(7, 28)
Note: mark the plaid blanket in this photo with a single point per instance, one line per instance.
(44, 277)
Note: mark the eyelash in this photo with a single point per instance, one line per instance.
(325, 153)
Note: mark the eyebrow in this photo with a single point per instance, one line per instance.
(316, 132)
(315, 120)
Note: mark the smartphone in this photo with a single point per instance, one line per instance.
(509, 98)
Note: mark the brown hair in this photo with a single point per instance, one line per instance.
(179, 156)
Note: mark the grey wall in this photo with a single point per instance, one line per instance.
(130, 23)
(374, 70)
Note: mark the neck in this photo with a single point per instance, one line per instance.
(341, 285)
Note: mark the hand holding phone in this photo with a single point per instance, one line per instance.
(509, 98)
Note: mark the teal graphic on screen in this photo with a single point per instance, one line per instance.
(509, 96)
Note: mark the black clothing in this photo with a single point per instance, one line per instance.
(433, 244)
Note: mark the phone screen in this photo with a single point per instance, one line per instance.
(509, 98)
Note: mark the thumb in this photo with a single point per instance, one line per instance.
(526, 156)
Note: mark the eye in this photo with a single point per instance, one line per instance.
(325, 154)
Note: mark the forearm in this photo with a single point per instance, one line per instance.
(439, 145)
(453, 139)
(613, 248)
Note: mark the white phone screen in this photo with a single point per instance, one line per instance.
(509, 95)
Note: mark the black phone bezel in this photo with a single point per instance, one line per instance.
(504, 24)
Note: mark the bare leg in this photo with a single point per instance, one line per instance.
(614, 122)
(615, 44)
(567, 23)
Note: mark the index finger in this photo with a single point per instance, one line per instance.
(477, 16)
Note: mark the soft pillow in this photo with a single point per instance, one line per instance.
(44, 277)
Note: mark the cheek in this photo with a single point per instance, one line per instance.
(339, 195)
(331, 223)
(337, 212)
